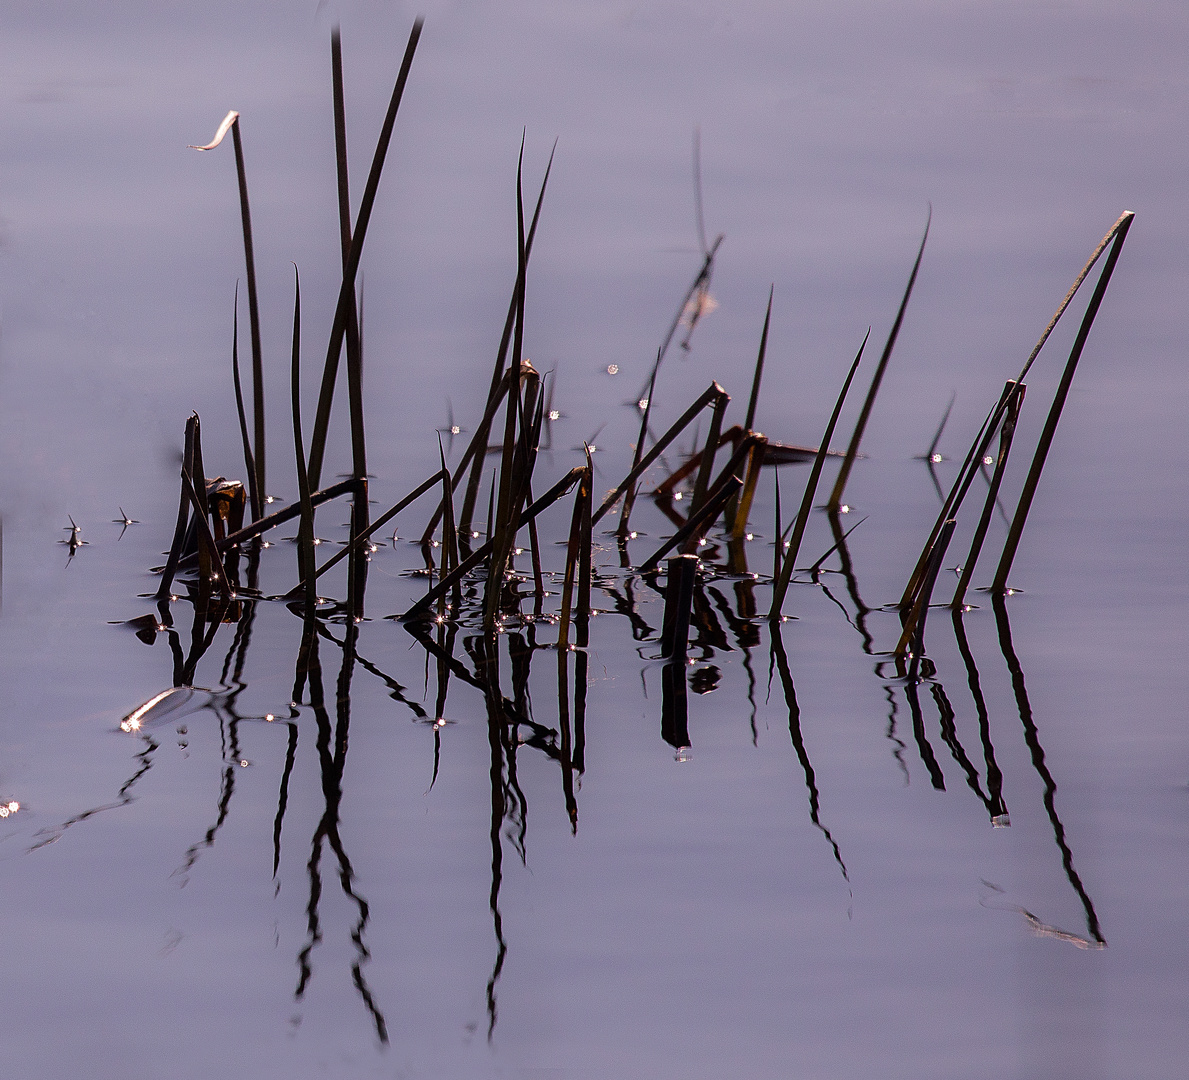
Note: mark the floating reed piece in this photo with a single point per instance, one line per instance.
(835, 502)
(781, 584)
(346, 297)
(231, 122)
(1020, 517)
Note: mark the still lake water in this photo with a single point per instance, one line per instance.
(796, 896)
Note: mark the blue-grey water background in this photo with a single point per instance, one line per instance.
(698, 923)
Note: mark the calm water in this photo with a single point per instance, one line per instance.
(814, 887)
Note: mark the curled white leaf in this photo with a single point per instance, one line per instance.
(228, 120)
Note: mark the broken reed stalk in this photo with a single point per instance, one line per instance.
(852, 450)
(476, 557)
(538, 575)
(305, 532)
(1020, 517)
(749, 423)
(1006, 432)
(254, 493)
(515, 306)
(914, 626)
(354, 341)
(658, 448)
(679, 592)
(212, 566)
(778, 535)
(585, 554)
(781, 584)
(347, 289)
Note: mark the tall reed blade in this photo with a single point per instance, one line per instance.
(749, 423)
(780, 587)
(498, 374)
(353, 337)
(1046, 436)
(257, 499)
(212, 567)
(953, 502)
(1006, 432)
(305, 533)
(585, 554)
(347, 289)
(853, 449)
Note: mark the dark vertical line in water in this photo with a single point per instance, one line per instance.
(563, 722)
(1032, 739)
(747, 637)
(175, 645)
(918, 731)
(994, 775)
(229, 732)
(495, 723)
(578, 757)
(891, 735)
(949, 735)
(790, 698)
(283, 800)
(852, 585)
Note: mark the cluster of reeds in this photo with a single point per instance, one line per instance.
(475, 577)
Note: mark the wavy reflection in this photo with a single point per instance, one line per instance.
(1032, 739)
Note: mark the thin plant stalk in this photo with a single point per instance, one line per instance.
(476, 557)
(514, 306)
(305, 537)
(707, 464)
(657, 449)
(913, 634)
(254, 494)
(852, 450)
(781, 585)
(353, 337)
(347, 289)
(1006, 432)
(755, 382)
(629, 498)
(1020, 517)
(179, 532)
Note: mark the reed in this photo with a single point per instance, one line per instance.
(780, 586)
(852, 451)
(1006, 433)
(351, 268)
(1020, 517)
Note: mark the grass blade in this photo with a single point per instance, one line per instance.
(780, 587)
(1046, 436)
(1006, 432)
(347, 289)
(852, 451)
(755, 382)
